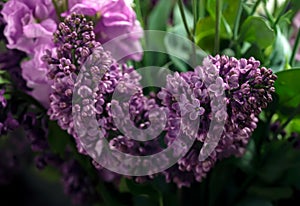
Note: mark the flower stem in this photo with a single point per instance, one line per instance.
(201, 8)
(218, 25)
(139, 12)
(295, 48)
(180, 4)
(269, 15)
(57, 10)
(237, 20)
(291, 117)
(282, 11)
(255, 7)
(195, 13)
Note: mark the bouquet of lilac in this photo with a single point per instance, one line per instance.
(150, 102)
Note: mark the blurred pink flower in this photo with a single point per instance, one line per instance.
(29, 27)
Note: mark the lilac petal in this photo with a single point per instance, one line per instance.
(193, 115)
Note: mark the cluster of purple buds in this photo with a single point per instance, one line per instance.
(75, 41)
(246, 89)
(225, 92)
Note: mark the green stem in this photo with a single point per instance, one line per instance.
(218, 25)
(291, 117)
(282, 11)
(244, 188)
(202, 8)
(195, 13)
(237, 20)
(255, 7)
(295, 48)
(57, 10)
(139, 12)
(161, 200)
(270, 17)
(184, 20)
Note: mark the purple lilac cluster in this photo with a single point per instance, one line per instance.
(99, 76)
(75, 41)
(247, 90)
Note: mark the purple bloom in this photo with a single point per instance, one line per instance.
(7, 123)
(22, 31)
(34, 71)
(248, 90)
(194, 109)
(116, 18)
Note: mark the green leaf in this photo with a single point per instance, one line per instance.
(229, 10)
(254, 201)
(159, 17)
(205, 33)
(57, 138)
(180, 48)
(142, 189)
(178, 19)
(254, 51)
(123, 186)
(256, 30)
(281, 52)
(295, 5)
(294, 126)
(292, 177)
(4, 81)
(271, 193)
(219, 180)
(157, 20)
(287, 87)
(143, 201)
(245, 163)
(279, 157)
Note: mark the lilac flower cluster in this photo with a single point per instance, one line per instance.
(247, 89)
(76, 41)
(222, 83)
